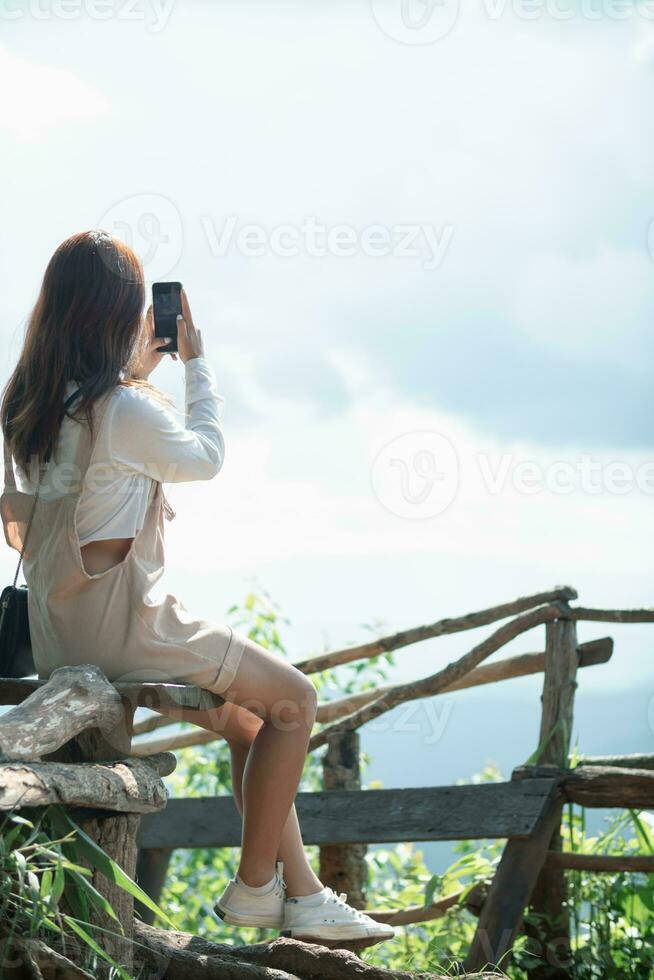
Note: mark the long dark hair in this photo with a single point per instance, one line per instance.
(86, 326)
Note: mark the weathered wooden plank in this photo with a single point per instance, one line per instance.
(598, 786)
(142, 695)
(510, 892)
(493, 810)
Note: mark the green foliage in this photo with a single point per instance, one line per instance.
(612, 916)
(45, 892)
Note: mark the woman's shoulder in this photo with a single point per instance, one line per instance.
(136, 405)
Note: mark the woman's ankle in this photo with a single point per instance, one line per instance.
(301, 887)
(256, 878)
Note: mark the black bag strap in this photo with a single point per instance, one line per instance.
(69, 401)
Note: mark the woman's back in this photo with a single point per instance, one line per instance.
(138, 443)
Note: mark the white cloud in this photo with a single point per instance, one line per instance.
(299, 487)
(595, 306)
(38, 98)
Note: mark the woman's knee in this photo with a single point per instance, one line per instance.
(303, 699)
(293, 709)
(273, 690)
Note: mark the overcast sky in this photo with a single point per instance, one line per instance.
(419, 256)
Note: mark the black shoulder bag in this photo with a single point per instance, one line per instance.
(15, 645)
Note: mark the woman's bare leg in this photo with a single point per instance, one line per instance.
(299, 876)
(285, 701)
(267, 720)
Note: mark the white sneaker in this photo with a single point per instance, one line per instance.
(241, 907)
(330, 917)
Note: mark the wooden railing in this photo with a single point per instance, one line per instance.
(526, 810)
(82, 755)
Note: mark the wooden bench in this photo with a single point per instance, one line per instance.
(67, 741)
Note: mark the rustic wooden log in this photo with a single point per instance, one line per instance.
(139, 694)
(559, 685)
(73, 699)
(435, 910)
(634, 760)
(613, 615)
(590, 654)
(429, 686)
(32, 959)
(151, 871)
(549, 898)
(601, 863)
(471, 812)
(116, 835)
(510, 891)
(343, 866)
(77, 717)
(128, 786)
(598, 786)
(442, 627)
(180, 956)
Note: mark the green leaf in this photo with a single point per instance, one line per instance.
(58, 884)
(641, 831)
(46, 884)
(430, 890)
(91, 943)
(76, 898)
(101, 861)
(95, 897)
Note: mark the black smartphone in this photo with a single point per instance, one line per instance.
(166, 307)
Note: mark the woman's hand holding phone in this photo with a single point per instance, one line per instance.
(189, 338)
(149, 355)
(189, 341)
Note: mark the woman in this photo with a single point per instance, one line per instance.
(91, 440)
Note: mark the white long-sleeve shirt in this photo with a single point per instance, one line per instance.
(139, 441)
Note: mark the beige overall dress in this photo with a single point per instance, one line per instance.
(109, 619)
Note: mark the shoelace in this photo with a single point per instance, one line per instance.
(340, 901)
(280, 884)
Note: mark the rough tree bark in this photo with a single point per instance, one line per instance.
(73, 700)
(551, 932)
(343, 866)
(77, 717)
(180, 956)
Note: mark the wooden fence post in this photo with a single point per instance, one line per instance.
(552, 932)
(343, 866)
(115, 833)
(151, 873)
